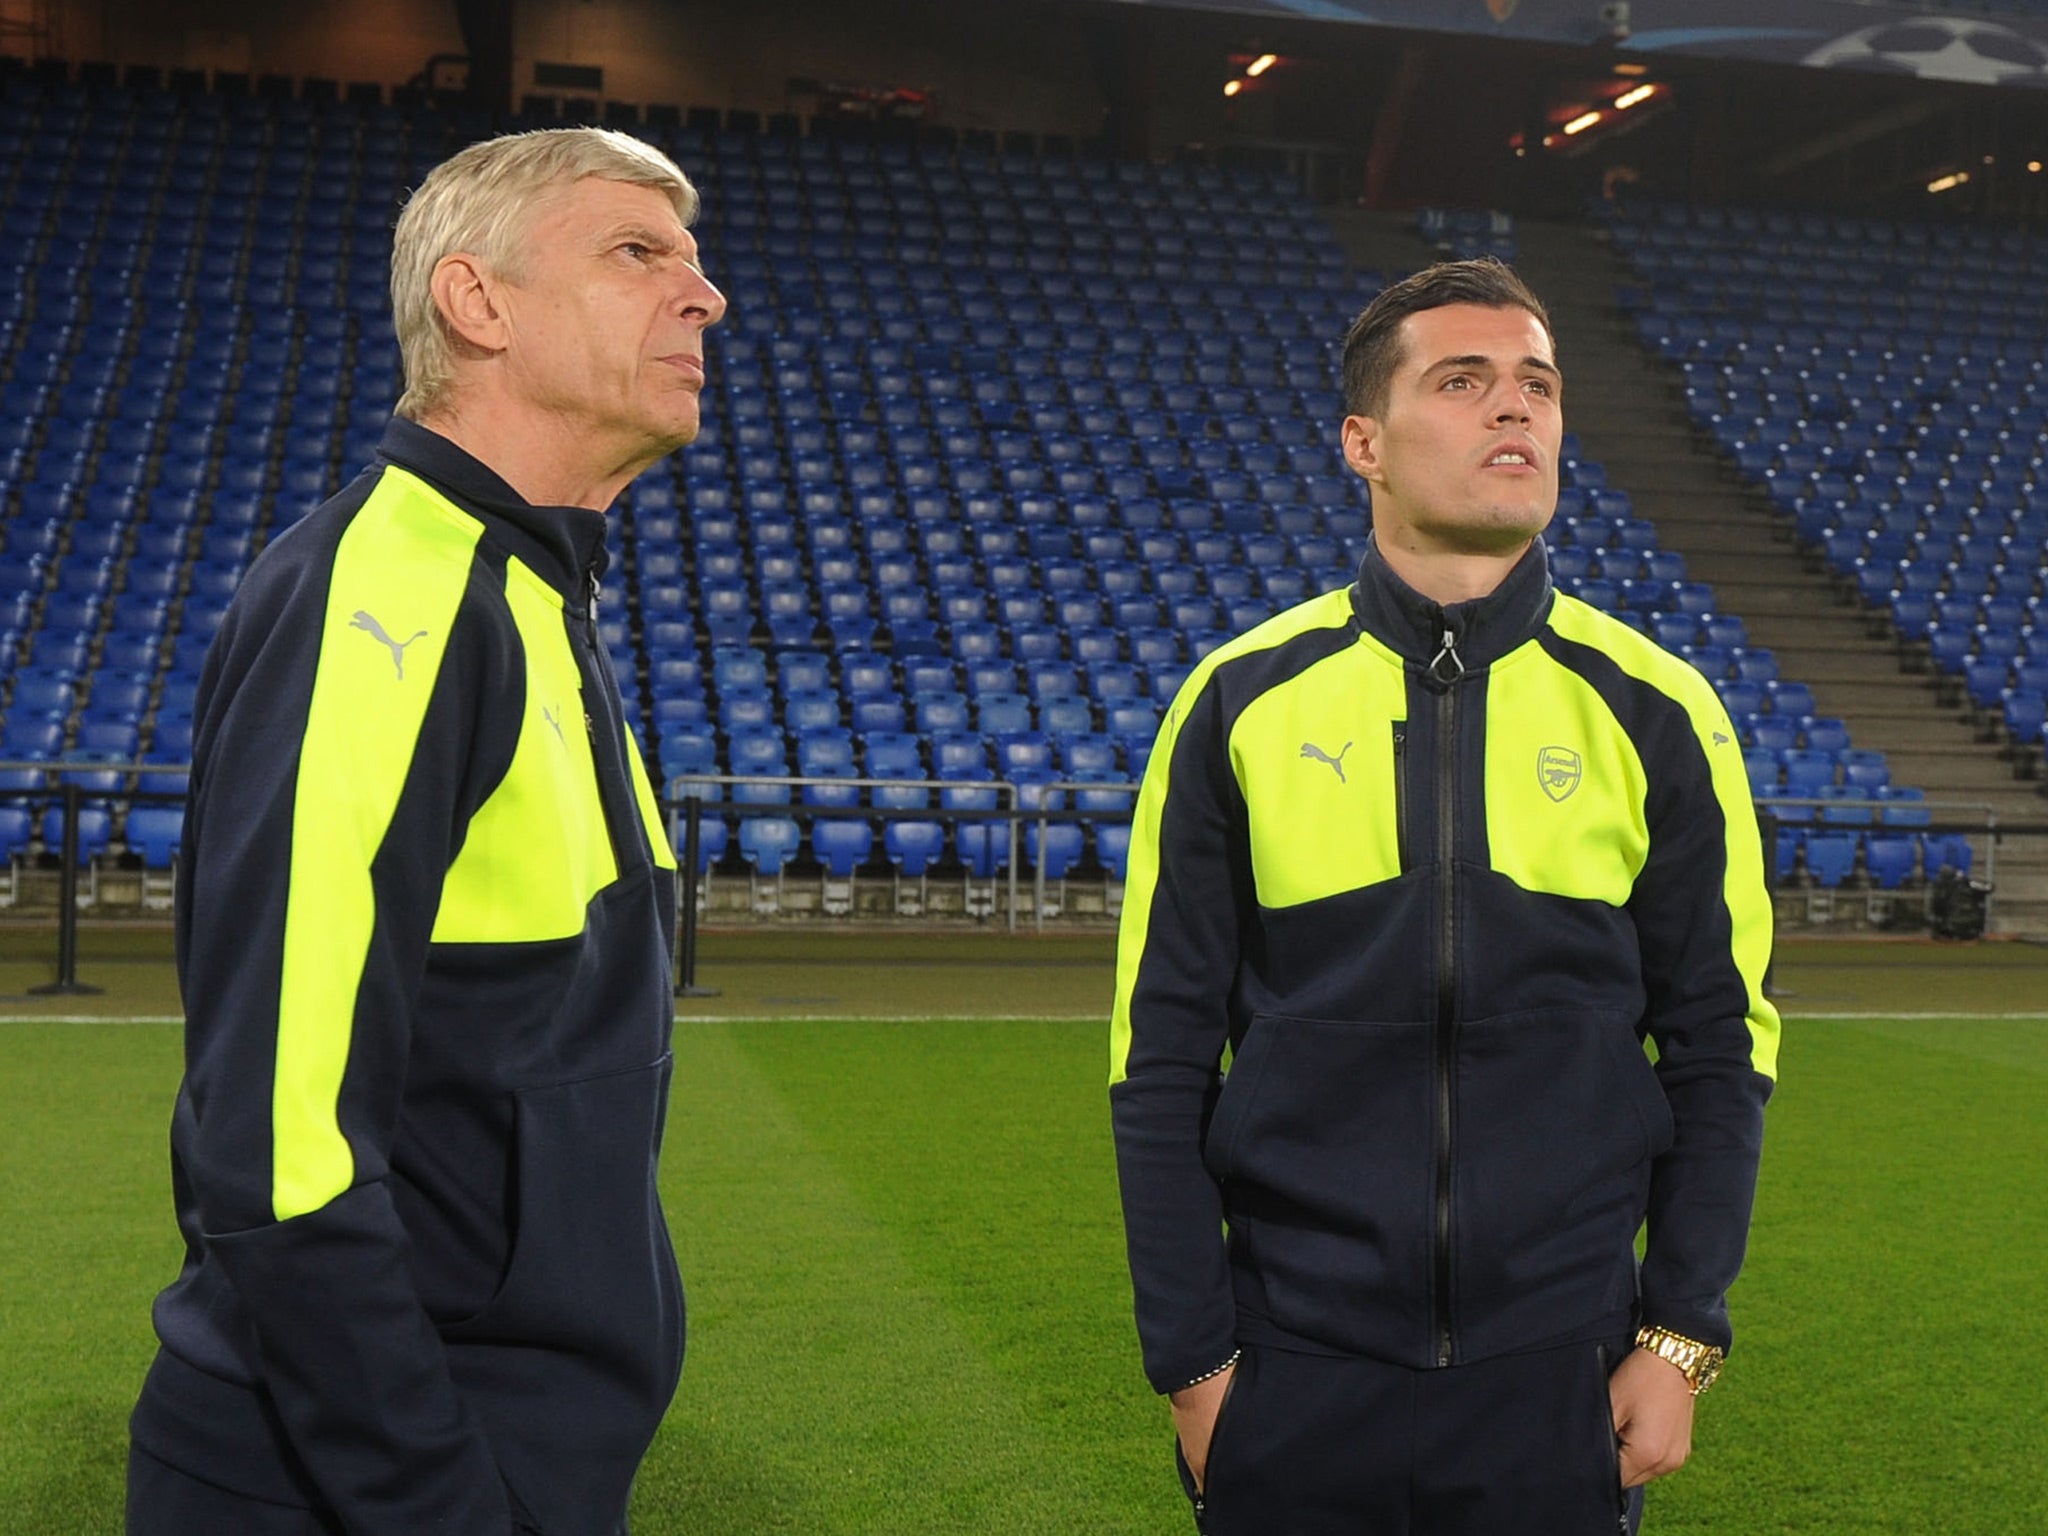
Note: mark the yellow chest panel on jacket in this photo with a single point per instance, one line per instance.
(1564, 784)
(1323, 780)
(1315, 761)
(538, 849)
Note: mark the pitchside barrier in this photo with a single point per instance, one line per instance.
(1816, 845)
(1017, 805)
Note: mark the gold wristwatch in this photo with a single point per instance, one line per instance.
(1701, 1363)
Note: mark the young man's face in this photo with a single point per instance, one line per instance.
(608, 312)
(1462, 458)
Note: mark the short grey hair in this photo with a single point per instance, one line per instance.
(481, 202)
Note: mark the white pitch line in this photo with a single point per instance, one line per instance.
(934, 1018)
(91, 1018)
(891, 1018)
(1916, 1017)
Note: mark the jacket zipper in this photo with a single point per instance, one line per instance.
(1445, 669)
(1401, 796)
(590, 634)
(601, 679)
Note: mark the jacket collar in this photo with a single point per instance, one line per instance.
(563, 545)
(1483, 629)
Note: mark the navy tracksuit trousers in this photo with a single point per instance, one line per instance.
(1315, 1445)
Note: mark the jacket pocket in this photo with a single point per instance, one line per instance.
(1604, 1399)
(1558, 1115)
(1321, 1142)
(591, 1274)
(1233, 1391)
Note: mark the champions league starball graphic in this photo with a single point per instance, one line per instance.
(1944, 48)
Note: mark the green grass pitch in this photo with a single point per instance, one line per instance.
(909, 1312)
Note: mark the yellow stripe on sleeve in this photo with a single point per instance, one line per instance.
(650, 808)
(397, 582)
(1329, 610)
(1743, 891)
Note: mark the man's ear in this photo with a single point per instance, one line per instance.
(470, 301)
(1362, 447)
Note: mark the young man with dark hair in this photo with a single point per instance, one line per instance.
(1430, 860)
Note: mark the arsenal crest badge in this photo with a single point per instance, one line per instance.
(1557, 770)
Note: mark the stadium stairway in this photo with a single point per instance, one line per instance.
(1625, 405)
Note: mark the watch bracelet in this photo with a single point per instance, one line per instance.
(1700, 1363)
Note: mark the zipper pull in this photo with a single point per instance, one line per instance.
(1449, 650)
(590, 578)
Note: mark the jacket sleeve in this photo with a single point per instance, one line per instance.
(1703, 920)
(1184, 898)
(335, 765)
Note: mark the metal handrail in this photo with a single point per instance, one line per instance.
(1010, 793)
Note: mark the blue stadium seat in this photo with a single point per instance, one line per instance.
(960, 755)
(914, 846)
(1772, 733)
(153, 831)
(2023, 714)
(1823, 734)
(171, 740)
(809, 710)
(983, 847)
(32, 735)
(749, 709)
(1061, 846)
(1807, 773)
(1133, 718)
(1003, 715)
(823, 749)
(714, 835)
(1889, 859)
(1866, 772)
(874, 712)
(941, 712)
(891, 755)
(842, 845)
(1789, 698)
(768, 843)
(1945, 850)
(1113, 847)
(17, 831)
(111, 739)
(738, 668)
(1849, 806)
(95, 829)
(1830, 857)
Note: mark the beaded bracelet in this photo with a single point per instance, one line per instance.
(1235, 1355)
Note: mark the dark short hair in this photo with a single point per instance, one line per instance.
(1372, 347)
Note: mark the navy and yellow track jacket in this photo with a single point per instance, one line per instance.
(1429, 878)
(424, 907)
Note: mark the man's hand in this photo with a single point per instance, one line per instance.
(1652, 1417)
(1194, 1420)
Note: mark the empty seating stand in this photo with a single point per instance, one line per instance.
(984, 472)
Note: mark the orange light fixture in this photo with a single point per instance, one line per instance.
(1581, 123)
(1233, 87)
(1261, 64)
(1629, 99)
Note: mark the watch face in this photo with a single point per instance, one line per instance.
(1710, 1367)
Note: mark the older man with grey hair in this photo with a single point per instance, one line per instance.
(424, 899)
